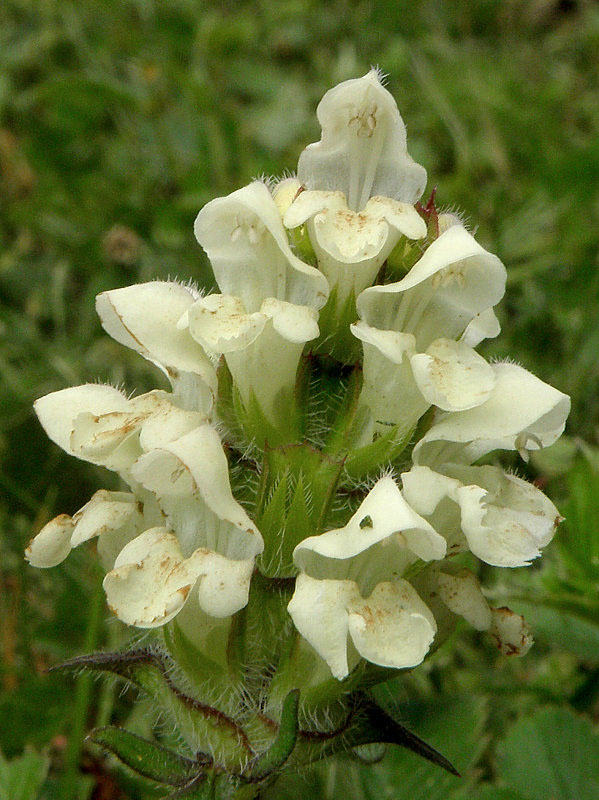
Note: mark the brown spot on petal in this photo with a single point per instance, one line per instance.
(184, 591)
(507, 647)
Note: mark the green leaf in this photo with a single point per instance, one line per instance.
(22, 778)
(336, 339)
(372, 456)
(553, 754)
(127, 664)
(348, 418)
(453, 727)
(298, 484)
(298, 525)
(150, 670)
(283, 746)
(147, 758)
(562, 628)
(489, 792)
(579, 541)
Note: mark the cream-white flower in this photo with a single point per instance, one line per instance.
(144, 317)
(417, 334)
(249, 342)
(180, 528)
(391, 627)
(363, 148)
(359, 185)
(151, 580)
(102, 425)
(213, 536)
(385, 582)
(502, 519)
(454, 282)
(351, 584)
(114, 517)
(383, 537)
(521, 413)
(400, 384)
(351, 246)
(511, 632)
(459, 592)
(269, 302)
(246, 243)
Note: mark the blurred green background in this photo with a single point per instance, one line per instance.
(118, 121)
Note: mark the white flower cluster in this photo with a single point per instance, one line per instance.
(376, 587)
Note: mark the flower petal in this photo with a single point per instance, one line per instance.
(165, 420)
(144, 317)
(222, 325)
(107, 513)
(52, 544)
(284, 193)
(505, 519)
(246, 243)
(462, 594)
(296, 324)
(318, 610)
(190, 478)
(351, 237)
(484, 326)
(521, 413)
(507, 529)
(150, 581)
(454, 281)
(117, 439)
(403, 217)
(261, 377)
(363, 150)
(510, 632)
(58, 410)
(352, 246)
(382, 514)
(452, 376)
(389, 390)
(392, 627)
(424, 488)
(224, 584)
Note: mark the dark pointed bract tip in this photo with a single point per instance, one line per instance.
(392, 732)
(103, 660)
(417, 745)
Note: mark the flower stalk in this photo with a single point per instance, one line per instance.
(299, 512)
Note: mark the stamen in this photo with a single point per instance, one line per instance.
(375, 148)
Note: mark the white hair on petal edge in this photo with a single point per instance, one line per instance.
(383, 77)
